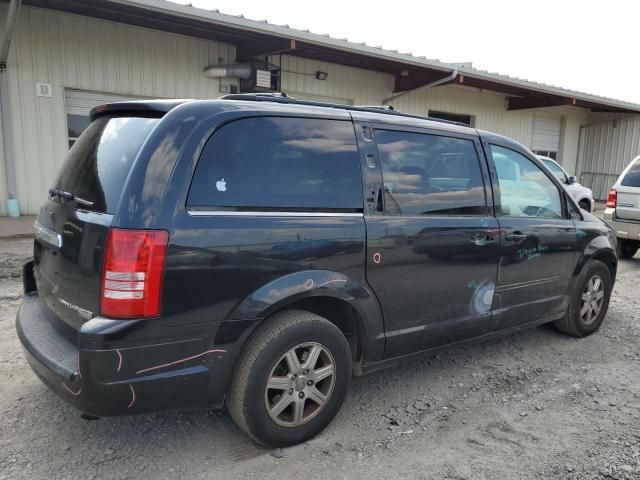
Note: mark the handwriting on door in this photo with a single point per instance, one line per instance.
(531, 253)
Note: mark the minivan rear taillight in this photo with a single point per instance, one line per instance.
(612, 198)
(132, 273)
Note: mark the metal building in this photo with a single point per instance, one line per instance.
(66, 56)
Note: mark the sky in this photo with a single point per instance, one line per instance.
(590, 46)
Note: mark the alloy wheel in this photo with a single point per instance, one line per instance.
(592, 300)
(300, 384)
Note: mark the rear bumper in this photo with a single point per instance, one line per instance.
(117, 378)
(627, 229)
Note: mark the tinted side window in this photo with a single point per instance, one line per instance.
(430, 174)
(632, 178)
(525, 190)
(279, 163)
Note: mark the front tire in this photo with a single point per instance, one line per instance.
(291, 379)
(590, 302)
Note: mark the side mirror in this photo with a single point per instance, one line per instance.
(571, 180)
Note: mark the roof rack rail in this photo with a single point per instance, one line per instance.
(255, 96)
(281, 97)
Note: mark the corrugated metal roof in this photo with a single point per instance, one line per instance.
(263, 27)
(343, 43)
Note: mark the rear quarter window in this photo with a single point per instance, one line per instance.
(632, 178)
(279, 163)
(98, 163)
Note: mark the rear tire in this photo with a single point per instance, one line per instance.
(628, 248)
(283, 391)
(590, 302)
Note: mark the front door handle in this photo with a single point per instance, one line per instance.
(517, 237)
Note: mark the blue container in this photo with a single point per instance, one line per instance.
(13, 208)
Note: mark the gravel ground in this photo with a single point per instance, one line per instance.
(533, 405)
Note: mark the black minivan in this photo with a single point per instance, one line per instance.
(257, 251)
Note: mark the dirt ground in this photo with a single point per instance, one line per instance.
(533, 405)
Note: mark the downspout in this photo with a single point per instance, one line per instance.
(7, 138)
(447, 79)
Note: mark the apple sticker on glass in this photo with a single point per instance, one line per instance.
(221, 185)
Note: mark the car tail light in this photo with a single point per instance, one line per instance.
(612, 198)
(133, 272)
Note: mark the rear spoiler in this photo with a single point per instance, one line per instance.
(144, 107)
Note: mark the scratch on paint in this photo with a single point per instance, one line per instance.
(133, 397)
(179, 361)
(78, 363)
(119, 360)
(331, 281)
(75, 394)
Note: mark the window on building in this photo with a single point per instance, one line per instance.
(76, 124)
(453, 117)
(280, 163)
(525, 190)
(430, 174)
(547, 153)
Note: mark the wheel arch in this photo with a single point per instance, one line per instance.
(342, 300)
(606, 255)
(584, 198)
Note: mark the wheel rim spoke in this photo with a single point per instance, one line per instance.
(314, 354)
(292, 361)
(298, 411)
(317, 396)
(323, 372)
(283, 403)
(599, 295)
(585, 307)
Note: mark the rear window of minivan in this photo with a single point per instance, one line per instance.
(97, 165)
(632, 178)
(279, 163)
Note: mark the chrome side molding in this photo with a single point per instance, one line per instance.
(229, 213)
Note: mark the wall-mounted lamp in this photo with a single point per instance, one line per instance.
(321, 75)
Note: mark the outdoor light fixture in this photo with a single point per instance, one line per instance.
(321, 75)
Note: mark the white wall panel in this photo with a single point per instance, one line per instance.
(608, 147)
(71, 51)
(357, 86)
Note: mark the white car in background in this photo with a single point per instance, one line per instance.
(582, 195)
(623, 209)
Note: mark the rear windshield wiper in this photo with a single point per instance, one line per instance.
(56, 192)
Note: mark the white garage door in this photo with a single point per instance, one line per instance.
(546, 134)
(78, 104)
